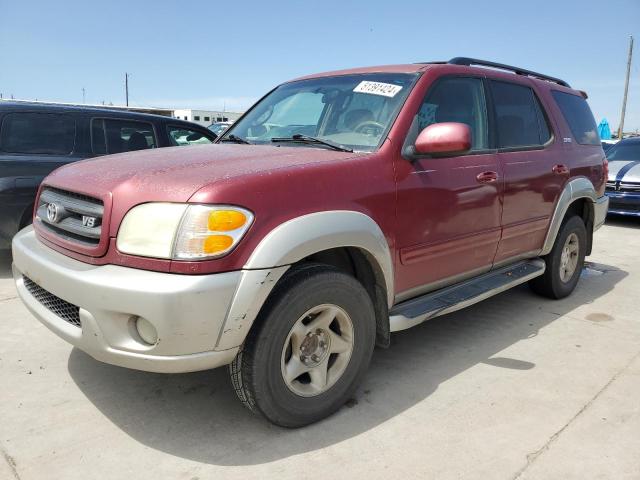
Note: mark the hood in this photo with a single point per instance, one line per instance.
(175, 174)
(624, 171)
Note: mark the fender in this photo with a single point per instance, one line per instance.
(303, 236)
(291, 242)
(573, 190)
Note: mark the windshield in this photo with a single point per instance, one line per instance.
(624, 151)
(353, 111)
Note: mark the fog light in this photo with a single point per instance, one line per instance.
(146, 331)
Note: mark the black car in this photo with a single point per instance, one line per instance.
(35, 139)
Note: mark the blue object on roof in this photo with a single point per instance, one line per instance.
(604, 130)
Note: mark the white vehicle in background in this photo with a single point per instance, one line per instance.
(607, 144)
(219, 127)
(187, 137)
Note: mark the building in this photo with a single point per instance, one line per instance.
(206, 117)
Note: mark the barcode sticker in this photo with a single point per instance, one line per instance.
(378, 88)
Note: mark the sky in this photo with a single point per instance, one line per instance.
(214, 55)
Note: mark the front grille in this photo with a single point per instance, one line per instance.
(632, 187)
(624, 187)
(71, 215)
(65, 310)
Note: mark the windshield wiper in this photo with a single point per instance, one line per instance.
(236, 139)
(299, 138)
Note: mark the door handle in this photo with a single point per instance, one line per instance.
(487, 177)
(560, 169)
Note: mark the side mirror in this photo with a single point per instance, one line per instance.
(446, 138)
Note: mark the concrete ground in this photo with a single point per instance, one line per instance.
(515, 387)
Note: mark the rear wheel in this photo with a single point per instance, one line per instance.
(309, 349)
(564, 262)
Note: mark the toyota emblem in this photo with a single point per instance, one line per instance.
(53, 212)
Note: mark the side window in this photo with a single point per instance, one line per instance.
(520, 121)
(116, 136)
(456, 100)
(578, 115)
(38, 133)
(183, 136)
(543, 125)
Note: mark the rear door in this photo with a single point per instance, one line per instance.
(32, 145)
(530, 162)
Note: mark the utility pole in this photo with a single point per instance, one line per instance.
(626, 90)
(126, 87)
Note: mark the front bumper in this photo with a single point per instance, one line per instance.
(188, 311)
(624, 203)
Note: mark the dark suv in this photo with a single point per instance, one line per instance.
(35, 139)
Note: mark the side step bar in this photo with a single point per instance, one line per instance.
(446, 300)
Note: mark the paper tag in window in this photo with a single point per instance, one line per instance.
(378, 88)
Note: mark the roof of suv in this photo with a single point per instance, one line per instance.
(463, 62)
(106, 112)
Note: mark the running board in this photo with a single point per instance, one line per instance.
(446, 300)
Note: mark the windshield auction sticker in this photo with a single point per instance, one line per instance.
(378, 88)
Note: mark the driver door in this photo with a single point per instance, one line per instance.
(449, 207)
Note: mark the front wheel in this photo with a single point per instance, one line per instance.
(309, 349)
(564, 262)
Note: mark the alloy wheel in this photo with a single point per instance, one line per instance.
(317, 350)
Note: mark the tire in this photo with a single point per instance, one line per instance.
(556, 282)
(310, 293)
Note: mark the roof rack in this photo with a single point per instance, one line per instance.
(518, 71)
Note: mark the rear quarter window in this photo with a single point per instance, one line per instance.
(38, 133)
(577, 113)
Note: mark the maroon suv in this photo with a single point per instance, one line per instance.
(341, 207)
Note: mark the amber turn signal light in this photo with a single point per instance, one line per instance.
(216, 243)
(225, 220)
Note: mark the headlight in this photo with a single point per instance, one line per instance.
(182, 232)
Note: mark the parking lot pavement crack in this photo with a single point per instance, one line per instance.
(11, 462)
(6, 299)
(533, 456)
